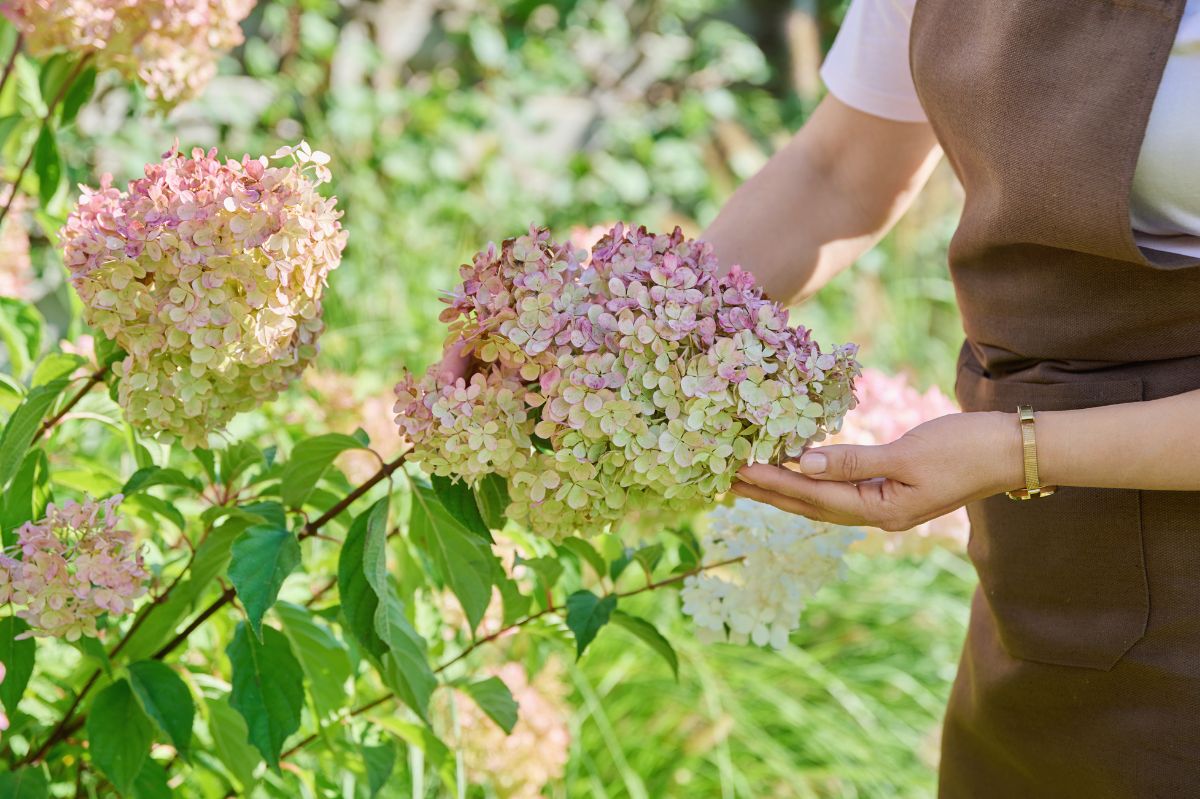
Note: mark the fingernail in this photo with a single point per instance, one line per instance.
(744, 478)
(813, 463)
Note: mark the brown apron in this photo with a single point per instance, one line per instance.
(1080, 676)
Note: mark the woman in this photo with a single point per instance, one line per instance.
(1074, 127)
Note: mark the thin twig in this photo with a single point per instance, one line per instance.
(12, 61)
(93, 379)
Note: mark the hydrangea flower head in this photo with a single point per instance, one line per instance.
(210, 275)
(69, 568)
(171, 46)
(633, 377)
(785, 559)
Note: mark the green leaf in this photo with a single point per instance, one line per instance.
(157, 476)
(152, 782)
(464, 561)
(547, 569)
(459, 501)
(79, 93)
(585, 552)
(166, 699)
(492, 497)
(236, 458)
(262, 558)
(47, 164)
(231, 743)
(379, 762)
(8, 126)
(494, 699)
(516, 604)
(26, 498)
(268, 688)
(22, 328)
(23, 426)
(649, 557)
(93, 649)
(119, 735)
(108, 351)
(308, 463)
(25, 783)
(54, 366)
(17, 657)
(375, 615)
(53, 74)
(650, 635)
(586, 614)
(323, 657)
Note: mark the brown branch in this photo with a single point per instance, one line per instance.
(93, 379)
(12, 61)
(50, 109)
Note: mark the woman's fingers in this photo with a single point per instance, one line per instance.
(789, 504)
(850, 463)
(836, 499)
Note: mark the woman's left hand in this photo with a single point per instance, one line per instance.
(932, 470)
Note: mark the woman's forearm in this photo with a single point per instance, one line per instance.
(1151, 445)
(824, 199)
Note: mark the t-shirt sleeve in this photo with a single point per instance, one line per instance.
(867, 68)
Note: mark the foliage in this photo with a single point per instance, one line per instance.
(318, 618)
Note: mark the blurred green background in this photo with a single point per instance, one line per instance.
(456, 122)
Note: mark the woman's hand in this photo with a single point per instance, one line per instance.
(930, 471)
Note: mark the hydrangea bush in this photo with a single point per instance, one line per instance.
(635, 377)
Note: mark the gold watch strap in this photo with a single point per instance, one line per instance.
(1033, 483)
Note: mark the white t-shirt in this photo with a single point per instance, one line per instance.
(868, 69)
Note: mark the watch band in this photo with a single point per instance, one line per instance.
(1033, 483)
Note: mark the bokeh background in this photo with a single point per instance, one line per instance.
(456, 122)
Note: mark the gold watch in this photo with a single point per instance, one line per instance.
(1033, 483)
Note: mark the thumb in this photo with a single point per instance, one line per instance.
(847, 462)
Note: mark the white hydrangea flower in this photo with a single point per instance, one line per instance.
(785, 560)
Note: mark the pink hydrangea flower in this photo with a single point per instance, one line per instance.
(16, 268)
(70, 568)
(629, 379)
(171, 46)
(888, 407)
(210, 275)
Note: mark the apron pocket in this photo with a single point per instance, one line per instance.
(1064, 575)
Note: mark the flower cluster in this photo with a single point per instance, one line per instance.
(777, 561)
(16, 268)
(637, 376)
(75, 565)
(209, 274)
(888, 407)
(172, 46)
(518, 765)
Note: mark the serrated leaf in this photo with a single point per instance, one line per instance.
(235, 459)
(25, 783)
(94, 650)
(547, 569)
(492, 497)
(47, 164)
(152, 782)
(119, 735)
(650, 635)
(459, 501)
(379, 762)
(17, 657)
(166, 699)
(465, 562)
(156, 476)
(586, 614)
(308, 463)
(494, 699)
(262, 558)
(268, 688)
(323, 657)
(23, 426)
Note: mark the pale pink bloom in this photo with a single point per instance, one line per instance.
(210, 275)
(71, 567)
(631, 380)
(171, 46)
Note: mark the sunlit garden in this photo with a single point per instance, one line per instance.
(254, 544)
